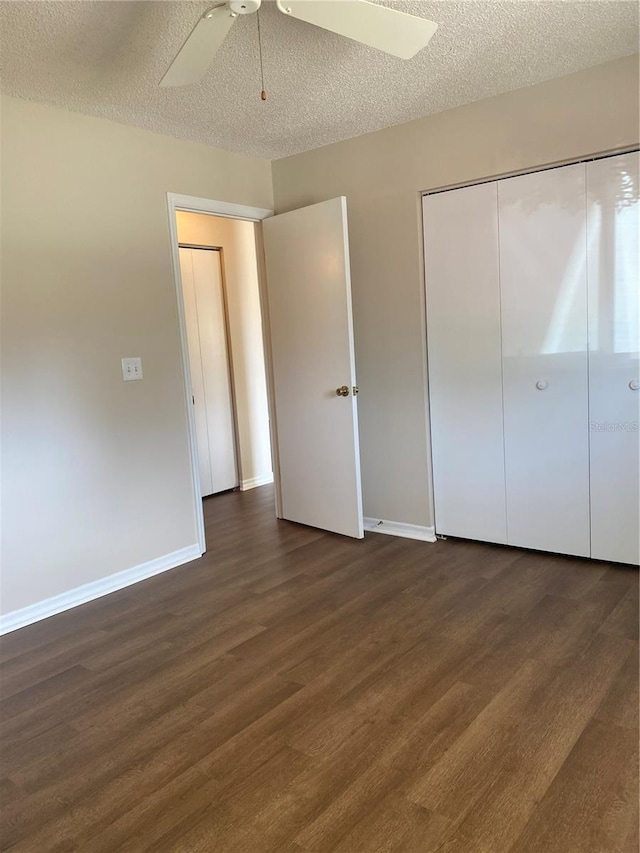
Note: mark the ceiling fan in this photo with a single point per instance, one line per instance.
(386, 29)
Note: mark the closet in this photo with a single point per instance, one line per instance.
(205, 316)
(533, 343)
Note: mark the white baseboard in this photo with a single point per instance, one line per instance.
(398, 528)
(89, 591)
(253, 482)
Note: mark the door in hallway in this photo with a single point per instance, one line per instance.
(205, 315)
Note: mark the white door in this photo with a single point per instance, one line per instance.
(544, 338)
(614, 352)
(465, 368)
(311, 333)
(205, 317)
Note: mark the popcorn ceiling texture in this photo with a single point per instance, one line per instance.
(106, 58)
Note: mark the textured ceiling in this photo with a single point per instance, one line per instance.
(106, 58)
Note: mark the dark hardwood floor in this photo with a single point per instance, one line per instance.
(299, 691)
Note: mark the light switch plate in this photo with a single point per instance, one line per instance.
(131, 369)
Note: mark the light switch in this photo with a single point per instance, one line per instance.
(131, 369)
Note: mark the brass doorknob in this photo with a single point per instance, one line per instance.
(342, 391)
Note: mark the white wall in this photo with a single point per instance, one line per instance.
(382, 174)
(240, 266)
(96, 474)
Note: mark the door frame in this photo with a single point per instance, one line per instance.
(193, 204)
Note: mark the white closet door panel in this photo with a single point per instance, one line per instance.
(544, 325)
(214, 354)
(614, 350)
(195, 369)
(465, 371)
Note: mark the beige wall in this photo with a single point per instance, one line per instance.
(382, 174)
(238, 242)
(96, 474)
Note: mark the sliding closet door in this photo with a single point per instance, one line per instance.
(465, 374)
(201, 274)
(216, 372)
(544, 325)
(195, 369)
(614, 350)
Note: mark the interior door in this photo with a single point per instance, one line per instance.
(544, 347)
(205, 315)
(308, 288)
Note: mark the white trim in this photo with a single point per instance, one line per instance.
(399, 528)
(268, 363)
(253, 482)
(193, 204)
(90, 591)
(425, 364)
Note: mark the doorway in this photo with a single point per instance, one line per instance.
(302, 295)
(218, 289)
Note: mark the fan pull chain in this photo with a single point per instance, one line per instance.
(263, 94)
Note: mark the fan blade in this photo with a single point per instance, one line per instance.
(387, 29)
(197, 53)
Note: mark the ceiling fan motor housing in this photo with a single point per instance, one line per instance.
(244, 7)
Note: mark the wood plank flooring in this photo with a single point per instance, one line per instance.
(298, 691)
